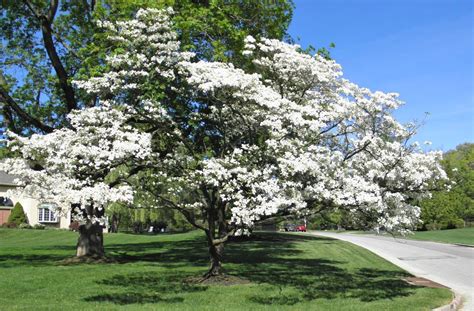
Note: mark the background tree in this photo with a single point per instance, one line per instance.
(453, 208)
(48, 43)
(139, 217)
(17, 215)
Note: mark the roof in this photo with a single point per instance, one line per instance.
(6, 179)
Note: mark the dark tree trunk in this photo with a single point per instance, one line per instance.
(91, 241)
(215, 220)
(216, 251)
(114, 224)
(215, 267)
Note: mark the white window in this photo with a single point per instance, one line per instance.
(46, 213)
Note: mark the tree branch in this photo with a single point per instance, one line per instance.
(356, 151)
(33, 10)
(223, 239)
(46, 21)
(7, 100)
(183, 211)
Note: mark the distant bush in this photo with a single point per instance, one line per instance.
(138, 227)
(455, 223)
(18, 215)
(452, 223)
(158, 226)
(9, 225)
(454, 208)
(25, 226)
(39, 227)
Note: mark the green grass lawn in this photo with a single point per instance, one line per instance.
(460, 236)
(286, 272)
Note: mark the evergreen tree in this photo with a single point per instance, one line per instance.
(17, 215)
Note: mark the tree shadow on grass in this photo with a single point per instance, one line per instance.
(31, 260)
(271, 263)
(268, 259)
(174, 255)
(133, 298)
(163, 282)
(144, 287)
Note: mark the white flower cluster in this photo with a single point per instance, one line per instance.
(149, 50)
(251, 190)
(69, 166)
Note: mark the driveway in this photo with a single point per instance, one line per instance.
(450, 265)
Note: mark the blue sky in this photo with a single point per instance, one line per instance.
(422, 49)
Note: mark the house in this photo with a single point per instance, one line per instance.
(37, 212)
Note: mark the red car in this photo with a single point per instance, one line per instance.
(301, 228)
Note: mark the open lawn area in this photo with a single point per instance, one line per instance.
(284, 271)
(459, 236)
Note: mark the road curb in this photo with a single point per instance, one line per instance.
(455, 304)
(465, 245)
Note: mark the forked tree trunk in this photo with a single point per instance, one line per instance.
(216, 219)
(91, 241)
(215, 267)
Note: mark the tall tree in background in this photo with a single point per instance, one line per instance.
(453, 208)
(45, 44)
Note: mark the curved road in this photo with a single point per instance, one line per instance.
(450, 265)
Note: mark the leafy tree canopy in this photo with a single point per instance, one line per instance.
(45, 44)
(450, 209)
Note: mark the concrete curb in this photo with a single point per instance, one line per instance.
(455, 304)
(441, 242)
(465, 245)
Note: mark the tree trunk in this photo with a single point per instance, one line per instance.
(91, 241)
(215, 267)
(215, 219)
(114, 224)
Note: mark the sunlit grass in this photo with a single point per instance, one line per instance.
(459, 236)
(285, 271)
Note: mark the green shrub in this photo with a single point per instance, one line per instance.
(17, 215)
(39, 227)
(9, 225)
(25, 226)
(455, 223)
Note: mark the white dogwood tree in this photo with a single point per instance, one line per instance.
(232, 147)
(69, 167)
(294, 135)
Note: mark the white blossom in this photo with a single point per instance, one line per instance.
(69, 166)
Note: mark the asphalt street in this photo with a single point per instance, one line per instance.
(450, 265)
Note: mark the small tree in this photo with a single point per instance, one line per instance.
(18, 215)
(72, 166)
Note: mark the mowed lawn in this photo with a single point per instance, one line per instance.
(285, 272)
(459, 236)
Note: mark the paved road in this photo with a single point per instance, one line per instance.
(450, 265)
